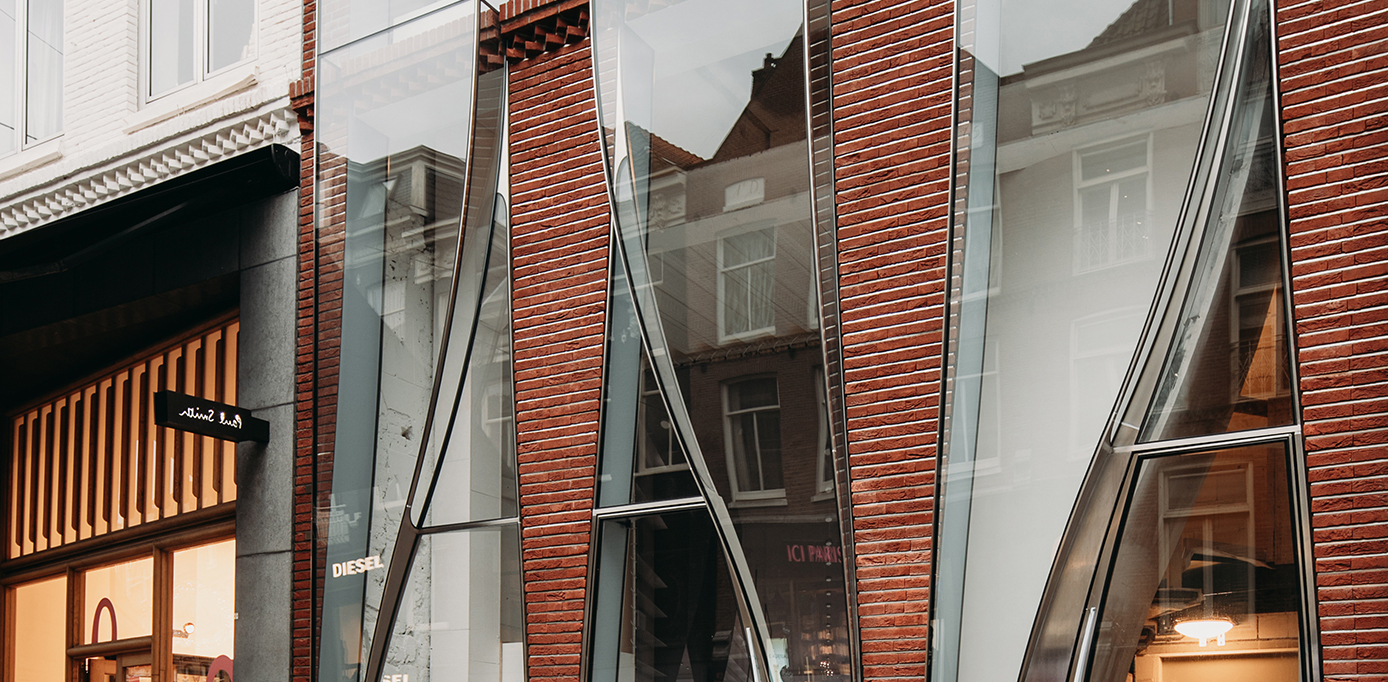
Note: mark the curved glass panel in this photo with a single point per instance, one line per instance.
(461, 612)
(1229, 367)
(473, 425)
(1206, 576)
(666, 607)
(1081, 127)
(343, 21)
(704, 103)
(425, 355)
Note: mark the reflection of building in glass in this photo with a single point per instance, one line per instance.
(693, 340)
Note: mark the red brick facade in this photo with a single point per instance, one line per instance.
(893, 75)
(559, 228)
(892, 121)
(1334, 78)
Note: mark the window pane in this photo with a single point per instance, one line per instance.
(665, 607)
(171, 57)
(1056, 235)
(1112, 161)
(229, 32)
(45, 70)
(1206, 565)
(461, 612)
(118, 602)
(1228, 368)
(8, 54)
(394, 115)
(204, 605)
(39, 608)
(705, 104)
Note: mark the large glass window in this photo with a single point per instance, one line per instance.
(39, 608)
(714, 337)
(1173, 207)
(422, 542)
(168, 612)
(31, 51)
(1206, 579)
(188, 40)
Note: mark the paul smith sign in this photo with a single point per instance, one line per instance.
(206, 418)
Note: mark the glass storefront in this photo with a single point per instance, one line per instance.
(715, 387)
(420, 529)
(170, 611)
(1119, 281)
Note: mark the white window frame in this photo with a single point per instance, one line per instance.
(824, 468)
(648, 390)
(723, 335)
(766, 496)
(21, 80)
(1077, 171)
(1238, 291)
(1206, 513)
(201, 44)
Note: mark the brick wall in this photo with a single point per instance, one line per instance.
(892, 123)
(559, 260)
(1334, 74)
(303, 625)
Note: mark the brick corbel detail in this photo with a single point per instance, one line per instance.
(529, 28)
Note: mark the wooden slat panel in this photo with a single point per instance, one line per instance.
(92, 461)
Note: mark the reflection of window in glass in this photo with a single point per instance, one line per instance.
(746, 284)
(1100, 350)
(1206, 565)
(31, 48)
(188, 40)
(752, 420)
(1112, 216)
(1260, 370)
(660, 450)
(38, 630)
(824, 478)
(664, 607)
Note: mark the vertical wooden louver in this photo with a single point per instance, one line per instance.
(92, 462)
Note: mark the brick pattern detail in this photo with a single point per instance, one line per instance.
(559, 263)
(1333, 60)
(892, 127)
(303, 613)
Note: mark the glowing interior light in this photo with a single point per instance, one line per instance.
(1205, 629)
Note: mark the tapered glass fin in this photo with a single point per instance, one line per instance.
(472, 425)
(643, 459)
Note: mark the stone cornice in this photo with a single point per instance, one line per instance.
(125, 174)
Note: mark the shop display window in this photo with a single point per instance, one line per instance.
(1205, 583)
(715, 402)
(169, 610)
